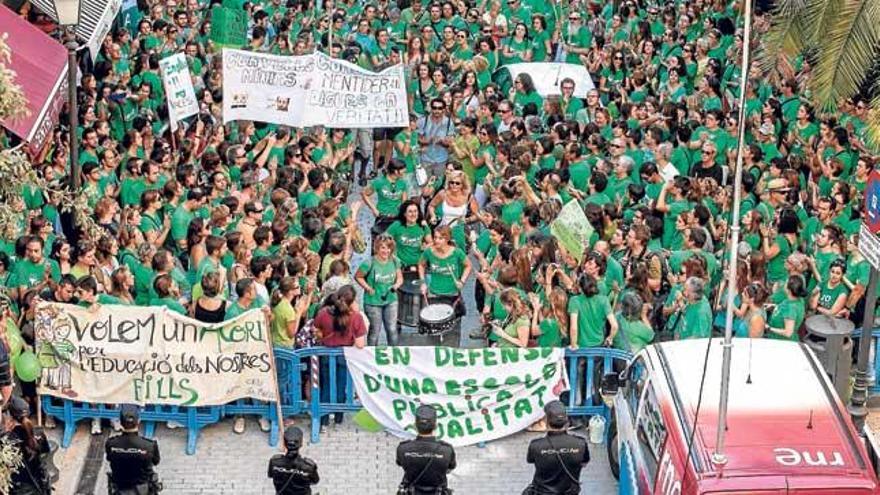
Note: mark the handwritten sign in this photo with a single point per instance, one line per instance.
(150, 355)
(311, 90)
(479, 394)
(572, 229)
(347, 96)
(179, 91)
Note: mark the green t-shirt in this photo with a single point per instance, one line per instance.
(282, 314)
(828, 295)
(443, 273)
(511, 330)
(381, 277)
(591, 313)
(695, 321)
(409, 241)
(180, 221)
(170, 303)
(389, 195)
(551, 333)
(632, 336)
(788, 309)
(776, 271)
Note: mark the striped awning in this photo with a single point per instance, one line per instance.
(40, 65)
(95, 19)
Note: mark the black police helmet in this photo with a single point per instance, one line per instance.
(293, 437)
(557, 417)
(18, 408)
(426, 419)
(129, 416)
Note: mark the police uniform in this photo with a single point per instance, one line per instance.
(30, 478)
(426, 460)
(132, 458)
(558, 457)
(291, 473)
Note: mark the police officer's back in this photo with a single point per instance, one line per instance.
(425, 460)
(291, 473)
(558, 457)
(132, 457)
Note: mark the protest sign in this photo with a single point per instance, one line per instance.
(347, 96)
(150, 355)
(548, 77)
(479, 394)
(572, 229)
(265, 88)
(179, 92)
(228, 27)
(311, 90)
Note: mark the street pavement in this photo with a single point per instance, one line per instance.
(349, 460)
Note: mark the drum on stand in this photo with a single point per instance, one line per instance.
(439, 320)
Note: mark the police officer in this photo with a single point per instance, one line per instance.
(291, 473)
(425, 460)
(558, 457)
(31, 477)
(132, 457)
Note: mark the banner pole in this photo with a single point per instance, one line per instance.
(278, 409)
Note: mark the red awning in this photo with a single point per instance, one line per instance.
(40, 65)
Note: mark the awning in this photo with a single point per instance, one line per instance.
(40, 65)
(95, 20)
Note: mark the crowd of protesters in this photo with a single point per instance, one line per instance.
(213, 220)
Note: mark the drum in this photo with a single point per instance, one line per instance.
(437, 319)
(409, 303)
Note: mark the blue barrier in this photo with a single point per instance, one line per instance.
(301, 382)
(875, 337)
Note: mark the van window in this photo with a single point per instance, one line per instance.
(651, 431)
(638, 376)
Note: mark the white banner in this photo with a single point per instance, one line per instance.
(265, 88)
(548, 77)
(480, 394)
(179, 91)
(150, 355)
(347, 96)
(311, 90)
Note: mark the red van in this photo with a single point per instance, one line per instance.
(787, 431)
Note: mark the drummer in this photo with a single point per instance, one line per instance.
(411, 236)
(447, 268)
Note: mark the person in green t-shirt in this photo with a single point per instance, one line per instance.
(550, 319)
(787, 318)
(390, 190)
(167, 294)
(286, 313)
(446, 268)
(587, 314)
(695, 320)
(380, 279)
(829, 297)
(516, 332)
(410, 234)
(635, 327)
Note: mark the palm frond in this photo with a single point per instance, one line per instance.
(787, 34)
(819, 15)
(874, 123)
(846, 51)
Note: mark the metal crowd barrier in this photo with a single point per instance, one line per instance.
(300, 384)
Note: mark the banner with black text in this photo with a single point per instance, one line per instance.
(151, 355)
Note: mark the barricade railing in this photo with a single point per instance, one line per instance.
(874, 365)
(316, 381)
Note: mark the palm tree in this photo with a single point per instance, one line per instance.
(844, 35)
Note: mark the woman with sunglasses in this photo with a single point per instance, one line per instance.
(454, 206)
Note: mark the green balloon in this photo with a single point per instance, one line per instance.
(27, 366)
(15, 344)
